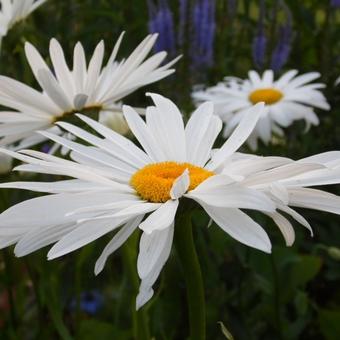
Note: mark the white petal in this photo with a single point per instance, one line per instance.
(196, 128)
(37, 239)
(285, 227)
(239, 136)
(233, 196)
(62, 72)
(161, 218)
(54, 91)
(314, 199)
(117, 241)
(150, 248)
(167, 126)
(84, 234)
(180, 185)
(241, 227)
(140, 158)
(142, 133)
(145, 290)
(48, 210)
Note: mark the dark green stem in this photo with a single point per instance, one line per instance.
(140, 322)
(193, 277)
(276, 297)
(10, 287)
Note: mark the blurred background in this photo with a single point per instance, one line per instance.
(293, 293)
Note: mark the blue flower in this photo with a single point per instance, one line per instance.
(90, 302)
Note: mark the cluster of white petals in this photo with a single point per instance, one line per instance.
(91, 86)
(101, 198)
(13, 11)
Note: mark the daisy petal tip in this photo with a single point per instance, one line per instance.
(145, 230)
(268, 250)
(181, 185)
(53, 254)
(98, 269)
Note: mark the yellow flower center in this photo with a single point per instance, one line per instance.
(154, 182)
(269, 96)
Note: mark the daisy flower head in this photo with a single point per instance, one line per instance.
(291, 97)
(13, 11)
(87, 88)
(118, 186)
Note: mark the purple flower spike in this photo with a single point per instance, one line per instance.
(183, 13)
(161, 21)
(259, 46)
(335, 3)
(283, 48)
(203, 30)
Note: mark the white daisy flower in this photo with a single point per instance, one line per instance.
(115, 120)
(115, 184)
(287, 99)
(85, 88)
(13, 11)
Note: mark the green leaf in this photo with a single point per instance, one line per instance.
(329, 322)
(306, 269)
(94, 329)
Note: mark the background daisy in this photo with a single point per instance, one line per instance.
(86, 88)
(13, 11)
(287, 99)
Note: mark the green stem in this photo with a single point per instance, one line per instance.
(193, 277)
(10, 287)
(276, 297)
(140, 323)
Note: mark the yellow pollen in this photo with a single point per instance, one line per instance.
(269, 96)
(154, 182)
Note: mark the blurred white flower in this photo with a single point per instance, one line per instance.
(5, 164)
(337, 82)
(115, 120)
(13, 11)
(85, 88)
(287, 99)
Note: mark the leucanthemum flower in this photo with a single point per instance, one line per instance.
(287, 99)
(118, 186)
(86, 88)
(13, 11)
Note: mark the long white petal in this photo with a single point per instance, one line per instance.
(117, 241)
(240, 226)
(161, 218)
(238, 137)
(84, 234)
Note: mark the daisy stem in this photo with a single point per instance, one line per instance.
(140, 323)
(193, 277)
